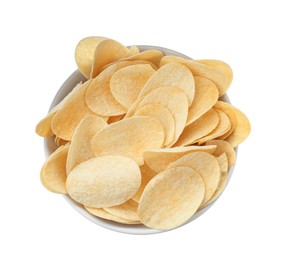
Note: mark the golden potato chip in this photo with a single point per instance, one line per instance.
(220, 189)
(53, 172)
(163, 115)
(171, 75)
(146, 175)
(241, 130)
(59, 142)
(127, 210)
(198, 69)
(175, 100)
(171, 198)
(80, 148)
(222, 127)
(199, 128)
(114, 119)
(219, 65)
(206, 95)
(101, 213)
(107, 51)
(126, 83)
(224, 147)
(104, 181)
(129, 137)
(206, 166)
(133, 50)
(159, 159)
(84, 54)
(223, 162)
(71, 113)
(228, 110)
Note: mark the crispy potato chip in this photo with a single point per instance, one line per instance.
(107, 51)
(71, 113)
(223, 162)
(126, 83)
(163, 115)
(129, 137)
(101, 213)
(206, 95)
(159, 159)
(114, 119)
(104, 181)
(175, 100)
(146, 175)
(198, 69)
(80, 148)
(220, 189)
(127, 210)
(199, 128)
(133, 50)
(53, 172)
(171, 198)
(241, 130)
(229, 111)
(219, 65)
(84, 54)
(171, 75)
(222, 127)
(224, 147)
(59, 142)
(206, 166)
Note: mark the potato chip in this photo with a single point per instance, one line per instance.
(159, 159)
(129, 137)
(206, 95)
(127, 210)
(224, 147)
(133, 50)
(126, 83)
(59, 142)
(53, 172)
(114, 119)
(171, 75)
(206, 166)
(229, 111)
(80, 148)
(84, 54)
(219, 65)
(163, 115)
(199, 128)
(242, 129)
(171, 198)
(223, 162)
(104, 181)
(107, 51)
(222, 127)
(101, 213)
(175, 100)
(198, 69)
(146, 175)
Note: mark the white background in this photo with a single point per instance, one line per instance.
(36, 55)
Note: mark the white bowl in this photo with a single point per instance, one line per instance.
(49, 147)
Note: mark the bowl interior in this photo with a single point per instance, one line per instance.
(50, 147)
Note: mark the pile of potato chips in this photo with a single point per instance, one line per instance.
(146, 139)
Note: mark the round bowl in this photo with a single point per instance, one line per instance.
(50, 147)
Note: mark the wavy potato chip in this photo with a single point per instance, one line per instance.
(206, 166)
(163, 115)
(127, 210)
(104, 181)
(171, 198)
(206, 95)
(53, 173)
(80, 148)
(159, 159)
(84, 54)
(171, 75)
(223, 162)
(199, 128)
(129, 137)
(224, 147)
(202, 70)
(101, 213)
(126, 83)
